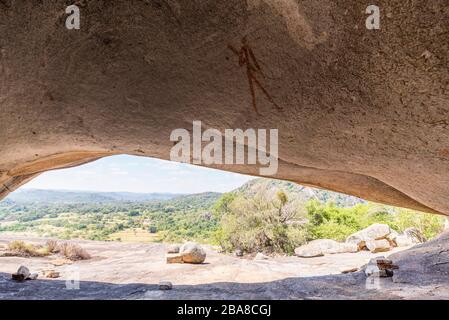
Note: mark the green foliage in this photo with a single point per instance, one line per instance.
(223, 205)
(430, 225)
(326, 221)
(259, 223)
(152, 229)
(263, 215)
(181, 218)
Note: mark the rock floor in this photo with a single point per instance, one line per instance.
(133, 271)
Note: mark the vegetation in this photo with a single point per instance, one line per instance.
(22, 249)
(331, 222)
(260, 223)
(278, 221)
(72, 251)
(69, 250)
(181, 218)
(263, 215)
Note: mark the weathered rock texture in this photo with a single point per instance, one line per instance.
(320, 247)
(364, 112)
(420, 272)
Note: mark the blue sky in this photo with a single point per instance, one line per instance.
(139, 174)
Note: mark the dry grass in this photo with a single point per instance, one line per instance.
(69, 250)
(52, 246)
(22, 249)
(73, 251)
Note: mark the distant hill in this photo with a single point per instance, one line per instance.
(116, 215)
(252, 187)
(24, 196)
(296, 191)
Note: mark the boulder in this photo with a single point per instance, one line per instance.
(320, 247)
(375, 231)
(165, 285)
(317, 248)
(344, 248)
(17, 277)
(22, 274)
(415, 234)
(410, 237)
(378, 245)
(173, 248)
(174, 258)
(403, 241)
(392, 238)
(24, 271)
(192, 252)
(32, 276)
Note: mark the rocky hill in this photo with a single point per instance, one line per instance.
(296, 191)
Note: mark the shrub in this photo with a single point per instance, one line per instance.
(430, 225)
(331, 230)
(327, 221)
(52, 246)
(73, 251)
(261, 223)
(22, 249)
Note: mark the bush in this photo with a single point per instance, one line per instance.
(73, 251)
(331, 230)
(52, 246)
(428, 224)
(263, 223)
(22, 249)
(327, 221)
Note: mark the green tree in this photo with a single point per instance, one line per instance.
(260, 223)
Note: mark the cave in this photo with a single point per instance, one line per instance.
(364, 112)
(361, 111)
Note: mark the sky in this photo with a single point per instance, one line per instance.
(139, 174)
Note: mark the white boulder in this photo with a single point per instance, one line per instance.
(375, 231)
(375, 246)
(320, 247)
(192, 252)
